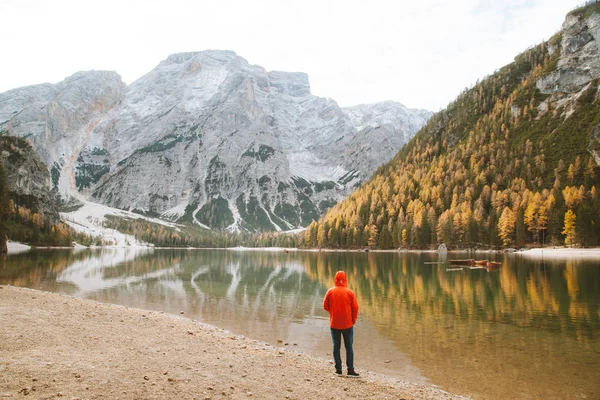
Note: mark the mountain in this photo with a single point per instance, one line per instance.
(513, 161)
(383, 128)
(27, 177)
(28, 209)
(206, 138)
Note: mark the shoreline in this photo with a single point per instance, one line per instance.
(56, 345)
(552, 252)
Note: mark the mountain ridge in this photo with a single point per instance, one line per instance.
(206, 138)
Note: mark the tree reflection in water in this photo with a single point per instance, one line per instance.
(528, 329)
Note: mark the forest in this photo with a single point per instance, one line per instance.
(192, 236)
(504, 165)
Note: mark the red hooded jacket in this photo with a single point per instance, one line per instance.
(340, 302)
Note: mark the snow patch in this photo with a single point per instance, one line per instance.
(176, 212)
(235, 227)
(90, 219)
(16, 247)
(196, 221)
(277, 228)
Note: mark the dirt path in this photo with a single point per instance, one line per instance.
(57, 346)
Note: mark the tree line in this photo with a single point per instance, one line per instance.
(503, 165)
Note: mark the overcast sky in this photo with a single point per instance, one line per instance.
(421, 53)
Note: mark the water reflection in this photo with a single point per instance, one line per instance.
(527, 329)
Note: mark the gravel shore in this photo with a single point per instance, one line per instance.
(58, 346)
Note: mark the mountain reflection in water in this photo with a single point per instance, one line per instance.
(528, 329)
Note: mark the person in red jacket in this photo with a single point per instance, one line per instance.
(340, 302)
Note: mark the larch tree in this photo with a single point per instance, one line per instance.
(506, 226)
(569, 228)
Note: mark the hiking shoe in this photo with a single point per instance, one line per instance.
(338, 371)
(353, 373)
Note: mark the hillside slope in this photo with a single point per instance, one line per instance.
(28, 209)
(512, 161)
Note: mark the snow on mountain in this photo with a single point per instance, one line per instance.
(206, 138)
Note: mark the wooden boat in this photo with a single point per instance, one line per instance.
(467, 262)
(481, 263)
(494, 264)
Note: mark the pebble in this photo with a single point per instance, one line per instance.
(387, 361)
(146, 378)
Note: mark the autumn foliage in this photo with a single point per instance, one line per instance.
(502, 165)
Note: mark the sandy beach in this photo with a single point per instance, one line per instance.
(562, 252)
(58, 346)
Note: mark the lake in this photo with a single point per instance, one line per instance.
(529, 329)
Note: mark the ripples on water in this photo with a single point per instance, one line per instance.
(529, 329)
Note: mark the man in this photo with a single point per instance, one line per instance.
(340, 302)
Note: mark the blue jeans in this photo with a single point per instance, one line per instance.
(336, 336)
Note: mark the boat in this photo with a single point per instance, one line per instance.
(494, 264)
(467, 262)
(481, 263)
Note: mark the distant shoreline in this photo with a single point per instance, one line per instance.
(554, 252)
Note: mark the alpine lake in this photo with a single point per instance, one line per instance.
(529, 329)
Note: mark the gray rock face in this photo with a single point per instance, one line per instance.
(577, 68)
(58, 119)
(207, 138)
(27, 177)
(579, 61)
(383, 128)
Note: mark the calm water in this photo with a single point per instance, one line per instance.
(530, 329)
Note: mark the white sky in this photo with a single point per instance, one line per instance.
(421, 53)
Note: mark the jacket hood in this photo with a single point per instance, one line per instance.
(340, 279)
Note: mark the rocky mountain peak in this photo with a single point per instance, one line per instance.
(294, 84)
(208, 138)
